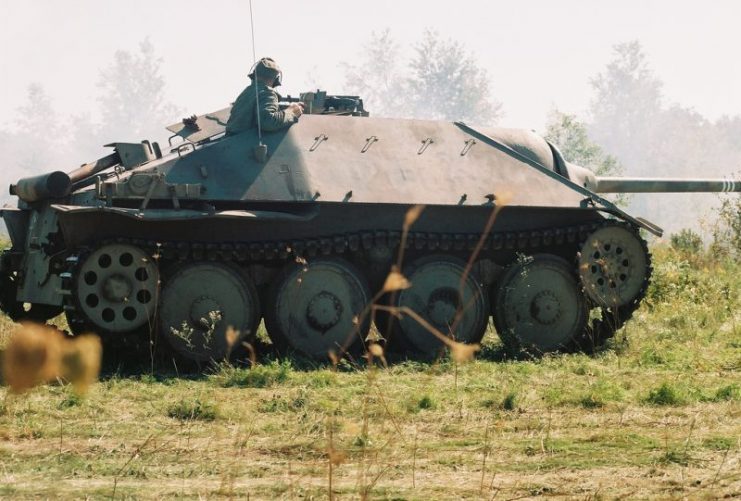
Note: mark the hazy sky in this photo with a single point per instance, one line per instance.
(539, 53)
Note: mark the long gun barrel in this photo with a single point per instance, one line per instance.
(659, 185)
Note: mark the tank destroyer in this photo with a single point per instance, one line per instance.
(200, 243)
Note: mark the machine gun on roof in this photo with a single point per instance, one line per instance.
(319, 103)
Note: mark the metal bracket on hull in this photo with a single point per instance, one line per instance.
(590, 197)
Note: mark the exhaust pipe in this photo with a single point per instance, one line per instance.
(32, 189)
(59, 184)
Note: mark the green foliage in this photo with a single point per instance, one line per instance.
(361, 441)
(447, 83)
(666, 394)
(36, 118)
(320, 378)
(71, 400)
(691, 280)
(625, 107)
(571, 137)
(651, 356)
(687, 241)
(731, 392)
(148, 378)
(627, 92)
(425, 403)
(279, 403)
(727, 230)
(681, 458)
(670, 280)
(258, 376)
(190, 410)
(133, 93)
(377, 76)
(600, 394)
(509, 402)
(591, 401)
(719, 443)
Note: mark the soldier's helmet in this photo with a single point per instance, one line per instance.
(267, 67)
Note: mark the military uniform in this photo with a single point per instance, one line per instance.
(244, 117)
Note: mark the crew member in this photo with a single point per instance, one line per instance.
(266, 75)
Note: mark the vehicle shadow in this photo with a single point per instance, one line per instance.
(134, 358)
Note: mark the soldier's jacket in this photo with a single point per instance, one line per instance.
(243, 114)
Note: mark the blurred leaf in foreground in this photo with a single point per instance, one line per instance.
(37, 354)
(395, 281)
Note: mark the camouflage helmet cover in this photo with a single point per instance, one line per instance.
(267, 67)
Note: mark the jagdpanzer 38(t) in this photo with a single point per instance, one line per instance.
(219, 234)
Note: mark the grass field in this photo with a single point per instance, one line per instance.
(656, 415)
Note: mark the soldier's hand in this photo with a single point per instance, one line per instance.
(297, 109)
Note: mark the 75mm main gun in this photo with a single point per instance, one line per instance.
(663, 185)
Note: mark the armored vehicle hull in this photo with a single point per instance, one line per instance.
(200, 245)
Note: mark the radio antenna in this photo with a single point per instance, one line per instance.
(261, 151)
(254, 72)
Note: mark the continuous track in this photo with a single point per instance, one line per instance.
(564, 241)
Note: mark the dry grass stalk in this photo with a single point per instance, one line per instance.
(460, 352)
(412, 215)
(410, 218)
(252, 354)
(232, 335)
(376, 350)
(501, 203)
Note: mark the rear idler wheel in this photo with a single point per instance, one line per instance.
(538, 305)
(115, 291)
(319, 307)
(455, 307)
(200, 302)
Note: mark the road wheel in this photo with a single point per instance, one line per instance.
(538, 305)
(319, 307)
(200, 302)
(439, 294)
